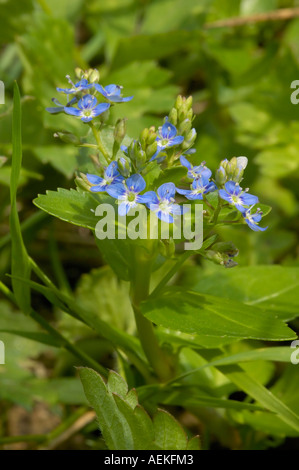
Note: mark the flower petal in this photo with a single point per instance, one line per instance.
(112, 170)
(166, 191)
(98, 189)
(233, 188)
(136, 183)
(150, 197)
(185, 162)
(101, 108)
(87, 102)
(100, 89)
(224, 195)
(72, 111)
(124, 208)
(249, 199)
(168, 131)
(175, 140)
(113, 90)
(94, 179)
(116, 190)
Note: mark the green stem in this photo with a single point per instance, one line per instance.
(217, 212)
(139, 292)
(97, 136)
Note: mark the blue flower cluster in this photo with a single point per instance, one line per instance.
(201, 180)
(244, 202)
(88, 106)
(122, 178)
(127, 192)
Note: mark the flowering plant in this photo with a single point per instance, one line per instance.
(160, 175)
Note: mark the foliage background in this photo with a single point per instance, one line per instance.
(240, 79)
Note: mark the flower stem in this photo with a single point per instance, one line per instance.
(157, 358)
(97, 136)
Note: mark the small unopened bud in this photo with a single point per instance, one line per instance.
(190, 139)
(79, 73)
(151, 149)
(68, 138)
(228, 248)
(189, 102)
(143, 137)
(82, 182)
(179, 102)
(224, 259)
(152, 135)
(124, 166)
(220, 176)
(173, 116)
(119, 133)
(94, 75)
(185, 127)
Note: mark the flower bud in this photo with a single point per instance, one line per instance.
(119, 134)
(124, 166)
(94, 75)
(185, 127)
(189, 102)
(179, 102)
(68, 138)
(190, 139)
(152, 135)
(143, 137)
(231, 170)
(228, 248)
(79, 73)
(220, 176)
(220, 258)
(82, 182)
(151, 150)
(173, 116)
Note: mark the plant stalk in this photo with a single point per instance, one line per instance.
(157, 358)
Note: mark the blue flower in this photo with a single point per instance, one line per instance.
(80, 86)
(112, 93)
(111, 176)
(196, 171)
(234, 194)
(167, 137)
(88, 108)
(202, 185)
(163, 203)
(252, 220)
(128, 195)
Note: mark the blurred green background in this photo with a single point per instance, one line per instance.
(239, 77)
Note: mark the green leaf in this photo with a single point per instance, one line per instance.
(203, 314)
(73, 206)
(19, 259)
(42, 338)
(240, 377)
(169, 435)
(274, 288)
(125, 425)
(78, 207)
